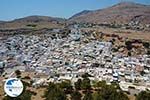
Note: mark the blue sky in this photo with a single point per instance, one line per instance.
(12, 9)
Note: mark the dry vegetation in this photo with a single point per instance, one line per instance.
(131, 34)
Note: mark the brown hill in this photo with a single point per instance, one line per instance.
(122, 13)
(80, 13)
(37, 22)
(2, 21)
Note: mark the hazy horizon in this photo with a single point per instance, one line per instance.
(15, 9)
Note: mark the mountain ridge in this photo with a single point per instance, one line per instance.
(40, 18)
(35, 21)
(120, 13)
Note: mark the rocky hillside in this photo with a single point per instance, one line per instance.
(133, 15)
(122, 13)
(81, 13)
(37, 22)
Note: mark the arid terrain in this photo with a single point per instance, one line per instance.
(104, 51)
(122, 13)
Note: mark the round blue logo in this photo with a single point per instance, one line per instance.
(13, 87)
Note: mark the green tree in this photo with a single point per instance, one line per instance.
(110, 92)
(129, 54)
(66, 86)
(78, 84)
(97, 96)
(86, 75)
(18, 73)
(54, 92)
(128, 45)
(148, 52)
(86, 84)
(27, 94)
(143, 95)
(76, 95)
(100, 84)
(146, 44)
(115, 85)
(88, 96)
